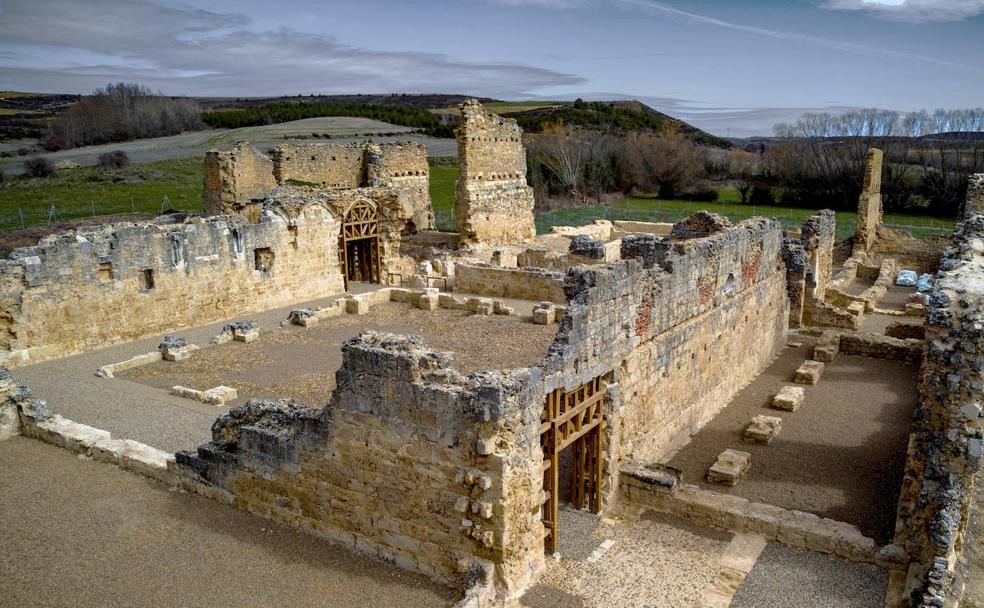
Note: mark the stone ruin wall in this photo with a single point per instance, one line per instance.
(870, 203)
(975, 195)
(493, 203)
(682, 329)
(86, 289)
(234, 179)
(533, 284)
(441, 473)
(410, 461)
(809, 268)
(945, 447)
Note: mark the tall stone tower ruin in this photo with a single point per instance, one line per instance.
(493, 203)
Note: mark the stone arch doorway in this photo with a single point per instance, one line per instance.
(359, 243)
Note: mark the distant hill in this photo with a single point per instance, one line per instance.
(619, 117)
(400, 100)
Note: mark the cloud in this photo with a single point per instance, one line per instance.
(65, 45)
(913, 11)
(840, 45)
(541, 3)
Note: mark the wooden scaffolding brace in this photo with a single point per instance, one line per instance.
(572, 418)
(360, 223)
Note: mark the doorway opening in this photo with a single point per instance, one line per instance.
(571, 428)
(359, 244)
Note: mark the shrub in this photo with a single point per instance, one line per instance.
(39, 166)
(3, 176)
(702, 195)
(117, 159)
(55, 140)
(762, 195)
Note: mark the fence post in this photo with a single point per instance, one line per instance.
(92, 205)
(133, 210)
(21, 213)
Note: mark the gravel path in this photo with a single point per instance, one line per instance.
(794, 578)
(840, 455)
(656, 562)
(84, 534)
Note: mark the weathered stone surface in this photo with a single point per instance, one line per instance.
(789, 398)
(493, 203)
(763, 428)
(809, 373)
(869, 203)
(730, 467)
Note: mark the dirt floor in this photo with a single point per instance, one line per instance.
(300, 363)
(655, 561)
(794, 578)
(896, 297)
(85, 534)
(876, 323)
(840, 455)
(858, 286)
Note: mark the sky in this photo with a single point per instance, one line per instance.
(730, 67)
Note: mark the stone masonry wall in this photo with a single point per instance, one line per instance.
(92, 287)
(521, 283)
(975, 195)
(493, 203)
(237, 181)
(945, 447)
(234, 179)
(869, 204)
(679, 338)
(410, 461)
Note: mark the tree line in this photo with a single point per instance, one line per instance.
(286, 111)
(817, 162)
(121, 112)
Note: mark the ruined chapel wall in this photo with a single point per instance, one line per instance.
(410, 461)
(681, 338)
(235, 179)
(493, 203)
(869, 203)
(404, 167)
(521, 283)
(334, 166)
(945, 448)
(89, 288)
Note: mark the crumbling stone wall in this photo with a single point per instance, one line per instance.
(237, 181)
(401, 167)
(869, 203)
(91, 287)
(410, 461)
(521, 283)
(975, 195)
(945, 447)
(493, 203)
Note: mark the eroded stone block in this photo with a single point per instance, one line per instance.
(809, 373)
(789, 398)
(730, 468)
(428, 302)
(763, 428)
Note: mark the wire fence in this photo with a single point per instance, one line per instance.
(53, 213)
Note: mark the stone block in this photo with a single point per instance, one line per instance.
(789, 398)
(825, 353)
(356, 306)
(179, 353)
(809, 373)
(762, 429)
(428, 302)
(545, 313)
(247, 336)
(484, 307)
(856, 308)
(219, 395)
(730, 468)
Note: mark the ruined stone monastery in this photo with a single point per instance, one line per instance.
(465, 476)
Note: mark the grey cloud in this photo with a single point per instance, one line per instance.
(191, 51)
(913, 11)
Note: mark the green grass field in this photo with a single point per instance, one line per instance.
(442, 188)
(78, 192)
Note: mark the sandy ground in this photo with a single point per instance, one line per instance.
(840, 455)
(971, 566)
(656, 562)
(343, 129)
(858, 286)
(793, 578)
(79, 533)
(300, 363)
(896, 297)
